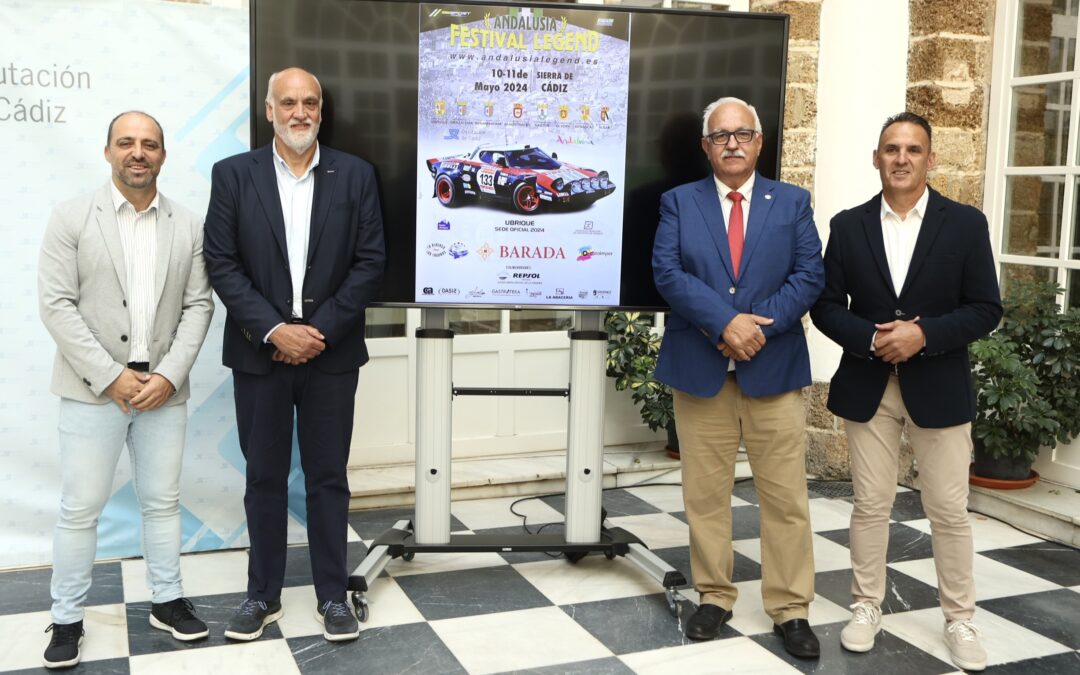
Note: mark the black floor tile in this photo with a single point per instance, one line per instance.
(1067, 663)
(907, 506)
(744, 490)
(1054, 614)
(679, 557)
(370, 524)
(614, 502)
(298, 563)
(745, 521)
(890, 655)
(905, 543)
(102, 667)
(902, 593)
(215, 610)
(487, 590)
(608, 666)
(28, 590)
(1047, 560)
(409, 649)
(635, 624)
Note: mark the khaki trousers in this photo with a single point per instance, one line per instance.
(943, 456)
(774, 430)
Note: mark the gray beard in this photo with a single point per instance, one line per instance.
(297, 144)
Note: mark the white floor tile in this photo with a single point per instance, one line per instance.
(481, 514)
(828, 555)
(491, 643)
(1003, 640)
(829, 514)
(992, 578)
(254, 658)
(663, 497)
(988, 533)
(352, 535)
(25, 640)
(203, 574)
(749, 617)
(657, 530)
(427, 563)
(592, 578)
(735, 655)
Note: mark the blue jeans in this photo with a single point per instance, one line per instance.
(91, 438)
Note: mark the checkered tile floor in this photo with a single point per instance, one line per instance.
(529, 613)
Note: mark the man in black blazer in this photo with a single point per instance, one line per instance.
(294, 249)
(920, 275)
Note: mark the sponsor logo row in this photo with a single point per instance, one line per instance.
(458, 250)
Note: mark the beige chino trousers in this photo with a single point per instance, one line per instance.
(943, 456)
(774, 430)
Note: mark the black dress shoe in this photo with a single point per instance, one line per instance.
(799, 640)
(706, 622)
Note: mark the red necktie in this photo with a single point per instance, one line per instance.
(735, 230)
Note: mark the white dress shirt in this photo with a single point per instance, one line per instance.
(297, 194)
(138, 237)
(747, 190)
(900, 235)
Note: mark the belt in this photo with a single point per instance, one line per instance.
(141, 366)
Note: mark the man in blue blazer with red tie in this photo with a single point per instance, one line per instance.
(738, 258)
(294, 249)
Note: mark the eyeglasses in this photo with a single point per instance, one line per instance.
(741, 136)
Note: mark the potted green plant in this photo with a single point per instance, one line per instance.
(1027, 380)
(632, 349)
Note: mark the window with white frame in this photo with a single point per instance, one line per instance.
(1033, 162)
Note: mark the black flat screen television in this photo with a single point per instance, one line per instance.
(451, 141)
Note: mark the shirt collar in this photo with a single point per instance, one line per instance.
(118, 200)
(747, 188)
(919, 209)
(282, 164)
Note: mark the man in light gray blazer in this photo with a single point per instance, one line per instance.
(123, 291)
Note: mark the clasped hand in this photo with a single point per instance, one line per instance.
(742, 339)
(297, 343)
(142, 391)
(897, 341)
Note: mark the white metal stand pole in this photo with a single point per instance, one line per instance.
(585, 428)
(434, 379)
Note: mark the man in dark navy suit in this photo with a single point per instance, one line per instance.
(920, 275)
(294, 249)
(738, 258)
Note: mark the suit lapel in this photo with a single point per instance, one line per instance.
(110, 233)
(325, 181)
(760, 205)
(928, 232)
(265, 181)
(708, 201)
(876, 240)
(164, 243)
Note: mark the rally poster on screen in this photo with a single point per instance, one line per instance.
(521, 155)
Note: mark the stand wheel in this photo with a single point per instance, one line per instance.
(574, 556)
(673, 606)
(610, 555)
(360, 604)
(407, 557)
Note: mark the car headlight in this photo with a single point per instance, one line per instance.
(575, 187)
(595, 183)
(603, 177)
(558, 184)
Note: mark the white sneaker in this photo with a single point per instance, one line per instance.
(962, 639)
(858, 634)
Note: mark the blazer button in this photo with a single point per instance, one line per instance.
(86, 381)
(123, 338)
(125, 303)
(899, 313)
(731, 290)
